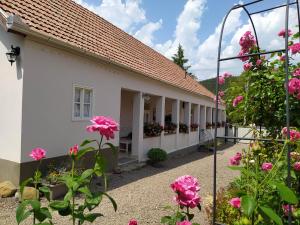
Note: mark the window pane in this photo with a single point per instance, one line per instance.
(77, 94)
(76, 110)
(87, 96)
(87, 110)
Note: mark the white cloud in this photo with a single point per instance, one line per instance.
(146, 33)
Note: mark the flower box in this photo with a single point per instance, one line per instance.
(170, 128)
(152, 129)
(194, 127)
(183, 128)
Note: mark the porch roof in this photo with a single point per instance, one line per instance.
(68, 22)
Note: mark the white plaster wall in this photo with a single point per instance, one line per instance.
(169, 143)
(194, 138)
(183, 140)
(11, 87)
(148, 143)
(126, 113)
(50, 74)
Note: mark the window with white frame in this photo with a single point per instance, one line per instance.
(82, 102)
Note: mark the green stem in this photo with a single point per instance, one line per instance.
(73, 196)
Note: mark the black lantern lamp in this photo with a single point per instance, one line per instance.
(13, 54)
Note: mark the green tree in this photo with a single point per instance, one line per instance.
(179, 59)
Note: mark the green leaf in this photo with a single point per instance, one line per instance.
(286, 194)
(25, 183)
(112, 147)
(21, 214)
(240, 168)
(59, 205)
(87, 173)
(42, 214)
(82, 152)
(112, 201)
(92, 217)
(87, 141)
(46, 192)
(271, 214)
(166, 219)
(85, 190)
(68, 196)
(35, 204)
(100, 165)
(248, 205)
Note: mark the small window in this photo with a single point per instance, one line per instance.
(82, 103)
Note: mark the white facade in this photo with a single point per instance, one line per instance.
(37, 93)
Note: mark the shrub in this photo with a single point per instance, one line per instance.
(156, 155)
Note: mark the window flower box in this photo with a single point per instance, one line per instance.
(208, 125)
(183, 128)
(152, 129)
(194, 127)
(170, 128)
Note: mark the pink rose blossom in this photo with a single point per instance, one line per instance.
(133, 222)
(227, 75)
(221, 80)
(247, 66)
(74, 150)
(247, 41)
(267, 166)
(258, 62)
(38, 154)
(286, 209)
(237, 100)
(235, 202)
(294, 134)
(295, 48)
(221, 94)
(104, 125)
(238, 156)
(282, 58)
(282, 33)
(294, 86)
(242, 53)
(296, 72)
(186, 188)
(234, 162)
(297, 166)
(184, 223)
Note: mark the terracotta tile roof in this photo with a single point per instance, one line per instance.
(71, 23)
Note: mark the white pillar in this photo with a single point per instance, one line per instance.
(160, 115)
(138, 126)
(197, 118)
(187, 114)
(202, 124)
(175, 117)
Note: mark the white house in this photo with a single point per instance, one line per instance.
(74, 64)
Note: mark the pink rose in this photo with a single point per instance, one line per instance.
(133, 222)
(242, 53)
(267, 166)
(74, 150)
(247, 41)
(282, 58)
(104, 125)
(221, 80)
(296, 72)
(184, 223)
(221, 94)
(282, 33)
(238, 156)
(186, 188)
(234, 162)
(247, 66)
(258, 62)
(38, 154)
(294, 86)
(295, 48)
(227, 75)
(237, 100)
(294, 134)
(286, 209)
(297, 166)
(235, 202)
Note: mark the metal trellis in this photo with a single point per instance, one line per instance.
(259, 53)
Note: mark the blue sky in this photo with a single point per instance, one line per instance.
(163, 24)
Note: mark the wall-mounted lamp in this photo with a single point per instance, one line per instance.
(146, 97)
(13, 54)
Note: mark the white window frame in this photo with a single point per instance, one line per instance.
(81, 117)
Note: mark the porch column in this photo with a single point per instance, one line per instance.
(160, 115)
(175, 117)
(202, 117)
(138, 126)
(197, 118)
(187, 114)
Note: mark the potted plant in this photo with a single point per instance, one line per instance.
(183, 128)
(53, 182)
(152, 129)
(208, 125)
(170, 128)
(194, 127)
(156, 156)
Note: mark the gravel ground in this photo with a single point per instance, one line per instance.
(142, 194)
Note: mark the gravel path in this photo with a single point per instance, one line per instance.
(141, 194)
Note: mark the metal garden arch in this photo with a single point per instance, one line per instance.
(286, 50)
